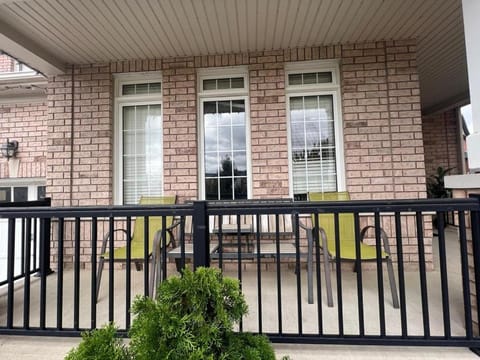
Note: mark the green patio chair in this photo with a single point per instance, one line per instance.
(326, 236)
(137, 243)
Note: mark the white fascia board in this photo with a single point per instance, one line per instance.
(25, 50)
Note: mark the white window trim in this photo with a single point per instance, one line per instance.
(30, 183)
(318, 89)
(219, 95)
(130, 100)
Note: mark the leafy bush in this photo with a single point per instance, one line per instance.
(100, 344)
(191, 319)
(436, 184)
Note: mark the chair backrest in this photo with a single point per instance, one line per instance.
(327, 221)
(154, 222)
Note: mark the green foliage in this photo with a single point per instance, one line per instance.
(245, 346)
(191, 319)
(436, 184)
(100, 344)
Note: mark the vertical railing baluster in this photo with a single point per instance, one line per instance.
(279, 280)
(26, 294)
(443, 273)
(378, 254)
(423, 274)
(23, 244)
(259, 276)
(239, 260)
(128, 275)
(93, 274)
(358, 267)
(146, 253)
(316, 240)
(297, 272)
(44, 267)
(401, 274)
(60, 235)
(338, 269)
(10, 272)
(76, 276)
(35, 246)
(465, 275)
(164, 244)
(111, 277)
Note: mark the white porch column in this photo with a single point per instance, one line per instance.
(471, 16)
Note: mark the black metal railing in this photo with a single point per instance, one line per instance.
(283, 269)
(23, 239)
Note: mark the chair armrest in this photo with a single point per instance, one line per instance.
(106, 238)
(383, 236)
(176, 221)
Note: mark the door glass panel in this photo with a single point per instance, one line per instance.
(225, 149)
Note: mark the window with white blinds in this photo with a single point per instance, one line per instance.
(142, 151)
(139, 138)
(316, 157)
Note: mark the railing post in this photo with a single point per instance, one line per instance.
(201, 235)
(45, 268)
(475, 227)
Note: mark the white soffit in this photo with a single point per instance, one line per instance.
(90, 31)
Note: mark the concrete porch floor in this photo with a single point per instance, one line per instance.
(18, 347)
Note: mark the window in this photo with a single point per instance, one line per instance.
(20, 67)
(138, 137)
(224, 141)
(315, 128)
(20, 190)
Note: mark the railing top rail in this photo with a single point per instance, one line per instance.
(264, 206)
(361, 206)
(98, 211)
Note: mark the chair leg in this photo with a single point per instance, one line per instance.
(328, 277)
(99, 277)
(393, 285)
(326, 262)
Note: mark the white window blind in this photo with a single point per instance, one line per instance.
(312, 130)
(142, 151)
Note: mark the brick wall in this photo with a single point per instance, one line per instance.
(381, 113)
(441, 142)
(382, 121)
(6, 63)
(80, 171)
(25, 123)
(383, 143)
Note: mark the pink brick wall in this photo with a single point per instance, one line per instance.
(383, 142)
(6, 63)
(382, 121)
(25, 123)
(384, 156)
(89, 180)
(442, 148)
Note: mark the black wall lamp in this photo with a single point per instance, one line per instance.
(9, 149)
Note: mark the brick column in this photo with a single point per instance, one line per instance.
(268, 123)
(180, 127)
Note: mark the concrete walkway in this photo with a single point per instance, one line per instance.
(55, 348)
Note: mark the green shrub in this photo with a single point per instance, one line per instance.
(100, 344)
(191, 319)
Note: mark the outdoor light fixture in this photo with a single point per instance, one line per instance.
(9, 149)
